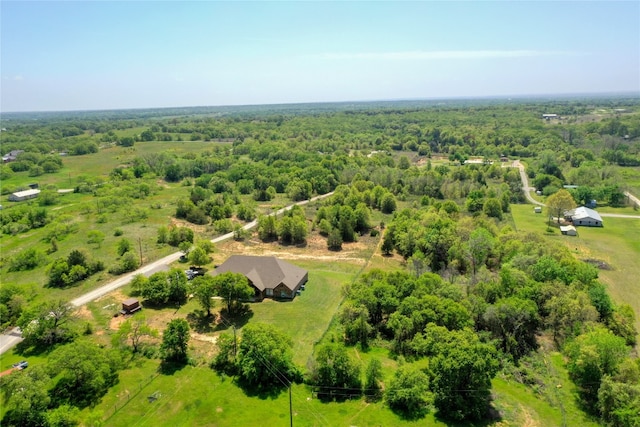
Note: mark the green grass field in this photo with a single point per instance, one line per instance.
(102, 163)
(307, 317)
(197, 396)
(617, 244)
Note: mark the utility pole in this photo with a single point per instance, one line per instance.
(140, 246)
(234, 341)
(290, 407)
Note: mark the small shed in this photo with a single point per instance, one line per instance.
(568, 230)
(537, 209)
(130, 306)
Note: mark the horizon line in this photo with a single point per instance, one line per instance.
(559, 96)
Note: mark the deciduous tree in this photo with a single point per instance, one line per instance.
(133, 330)
(559, 203)
(408, 392)
(462, 371)
(204, 289)
(175, 340)
(335, 372)
(592, 356)
(84, 373)
(233, 287)
(26, 397)
(265, 359)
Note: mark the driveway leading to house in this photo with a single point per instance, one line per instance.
(11, 339)
(525, 182)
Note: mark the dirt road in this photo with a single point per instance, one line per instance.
(525, 182)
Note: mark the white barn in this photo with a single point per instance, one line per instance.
(19, 196)
(586, 217)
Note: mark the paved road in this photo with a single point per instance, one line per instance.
(121, 281)
(612, 215)
(11, 339)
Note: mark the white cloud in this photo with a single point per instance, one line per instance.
(18, 77)
(442, 54)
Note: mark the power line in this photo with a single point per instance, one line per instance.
(283, 379)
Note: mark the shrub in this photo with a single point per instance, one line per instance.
(26, 260)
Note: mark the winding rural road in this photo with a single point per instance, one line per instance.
(11, 339)
(525, 183)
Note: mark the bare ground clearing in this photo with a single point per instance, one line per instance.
(315, 249)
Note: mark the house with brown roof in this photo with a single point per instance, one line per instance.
(270, 277)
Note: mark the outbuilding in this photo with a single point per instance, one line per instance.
(585, 217)
(568, 230)
(11, 156)
(130, 306)
(19, 196)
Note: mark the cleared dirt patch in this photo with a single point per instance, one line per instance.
(84, 313)
(314, 249)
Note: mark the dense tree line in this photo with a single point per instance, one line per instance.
(504, 291)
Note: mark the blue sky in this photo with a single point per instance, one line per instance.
(104, 55)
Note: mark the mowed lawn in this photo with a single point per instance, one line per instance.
(617, 244)
(197, 396)
(307, 317)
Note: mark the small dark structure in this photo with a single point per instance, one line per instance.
(130, 306)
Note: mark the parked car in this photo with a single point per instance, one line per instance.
(21, 365)
(194, 272)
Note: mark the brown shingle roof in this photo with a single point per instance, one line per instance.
(264, 272)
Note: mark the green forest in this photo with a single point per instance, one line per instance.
(437, 295)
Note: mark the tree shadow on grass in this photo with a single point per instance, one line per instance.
(238, 317)
(200, 322)
(170, 367)
(492, 417)
(28, 348)
(411, 415)
(299, 245)
(261, 392)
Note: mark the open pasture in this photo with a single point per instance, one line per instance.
(617, 244)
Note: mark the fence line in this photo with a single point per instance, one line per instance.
(122, 402)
